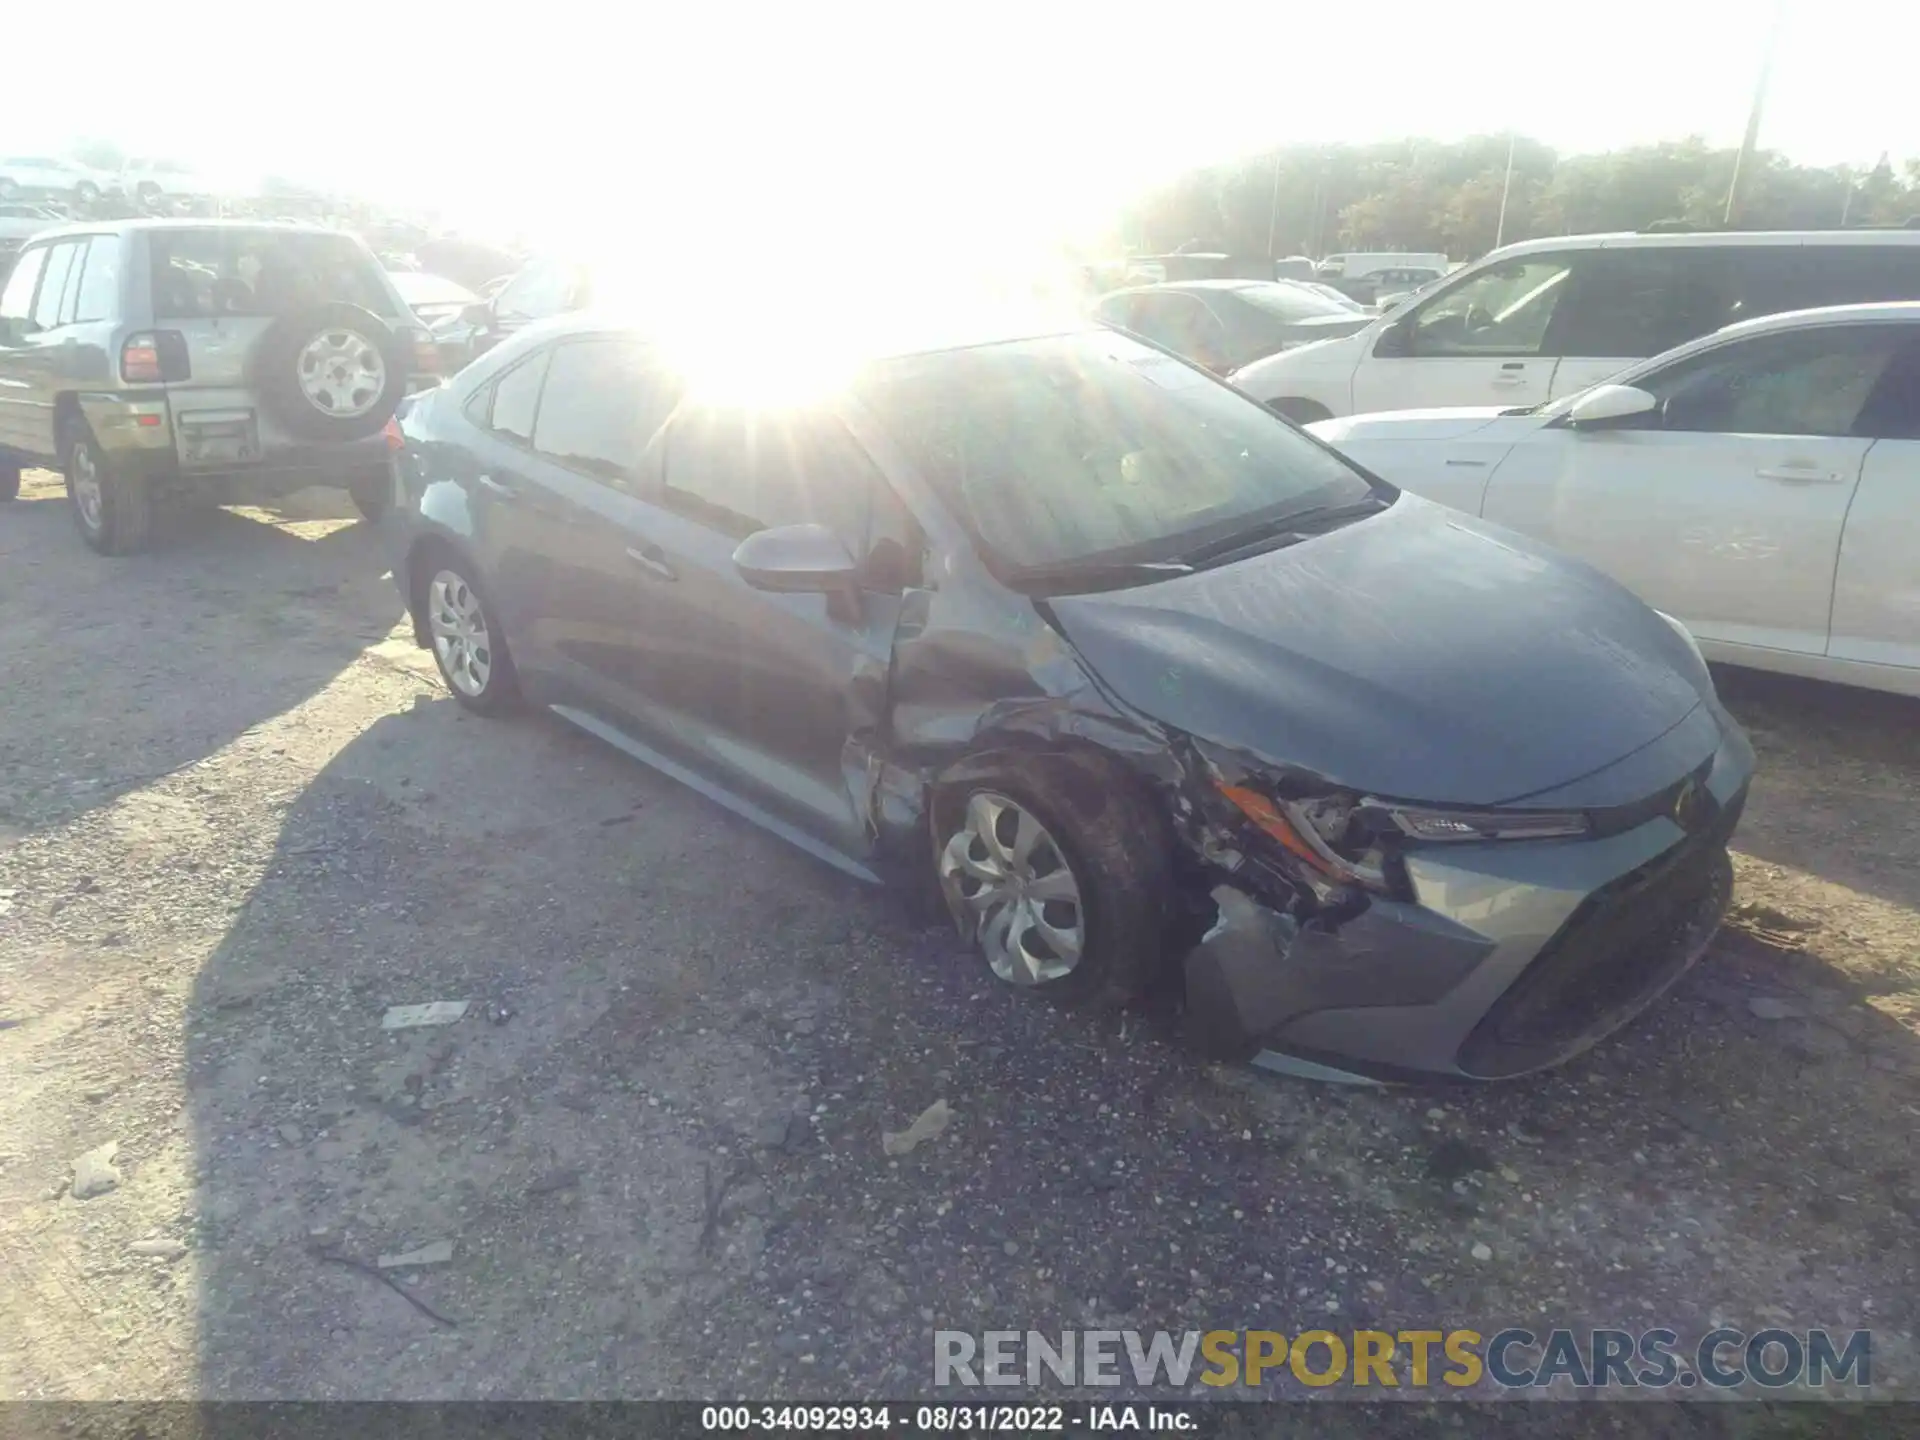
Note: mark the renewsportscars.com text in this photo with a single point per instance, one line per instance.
(1512, 1358)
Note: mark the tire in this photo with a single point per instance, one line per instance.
(8, 189)
(147, 193)
(372, 497)
(1300, 412)
(332, 372)
(86, 192)
(9, 481)
(114, 510)
(1113, 846)
(449, 597)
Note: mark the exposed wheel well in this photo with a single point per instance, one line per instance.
(1299, 411)
(66, 418)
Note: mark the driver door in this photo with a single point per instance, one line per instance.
(771, 694)
(1486, 339)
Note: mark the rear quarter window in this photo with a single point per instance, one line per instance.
(205, 274)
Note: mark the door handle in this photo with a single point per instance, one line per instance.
(1509, 378)
(497, 487)
(1514, 365)
(653, 560)
(1799, 475)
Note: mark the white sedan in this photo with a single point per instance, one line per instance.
(1761, 484)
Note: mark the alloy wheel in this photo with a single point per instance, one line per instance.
(1006, 876)
(461, 640)
(84, 477)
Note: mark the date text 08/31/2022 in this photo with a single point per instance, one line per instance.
(945, 1419)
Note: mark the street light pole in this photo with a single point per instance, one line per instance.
(1506, 189)
(1751, 139)
(1273, 207)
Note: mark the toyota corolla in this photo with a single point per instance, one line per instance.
(1143, 676)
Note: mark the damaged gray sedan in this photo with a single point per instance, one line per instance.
(1150, 681)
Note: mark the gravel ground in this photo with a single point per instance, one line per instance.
(239, 818)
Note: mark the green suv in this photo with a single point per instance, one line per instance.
(159, 360)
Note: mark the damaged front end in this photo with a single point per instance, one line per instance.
(1311, 910)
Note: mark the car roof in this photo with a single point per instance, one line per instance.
(126, 227)
(1880, 312)
(1704, 240)
(930, 341)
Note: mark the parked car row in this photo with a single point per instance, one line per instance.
(1755, 474)
(1143, 676)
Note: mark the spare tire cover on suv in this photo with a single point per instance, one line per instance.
(332, 372)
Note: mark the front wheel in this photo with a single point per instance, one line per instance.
(1060, 877)
(86, 192)
(468, 645)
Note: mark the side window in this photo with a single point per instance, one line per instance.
(538, 292)
(1809, 383)
(1858, 274)
(1181, 323)
(1892, 412)
(16, 301)
(97, 296)
(1501, 310)
(741, 471)
(46, 308)
(516, 399)
(1634, 302)
(604, 406)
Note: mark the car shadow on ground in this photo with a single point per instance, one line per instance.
(225, 623)
(648, 1158)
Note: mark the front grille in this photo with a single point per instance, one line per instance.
(1622, 946)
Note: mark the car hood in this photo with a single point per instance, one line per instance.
(1416, 655)
(1485, 422)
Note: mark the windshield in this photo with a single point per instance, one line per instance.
(1290, 302)
(1092, 450)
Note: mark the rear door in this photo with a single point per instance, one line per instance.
(1876, 592)
(1724, 506)
(1485, 339)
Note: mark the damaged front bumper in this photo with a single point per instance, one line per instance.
(1508, 958)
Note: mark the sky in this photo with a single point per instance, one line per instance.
(848, 117)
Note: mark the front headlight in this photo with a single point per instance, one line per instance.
(1348, 840)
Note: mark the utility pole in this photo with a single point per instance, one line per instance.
(1506, 189)
(1751, 139)
(1273, 207)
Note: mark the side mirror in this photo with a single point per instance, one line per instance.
(479, 314)
(1395, 339)
(1610, 402)
(796, 560)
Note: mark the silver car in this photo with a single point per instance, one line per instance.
(160, 359)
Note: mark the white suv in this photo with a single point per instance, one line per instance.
(1545, 318)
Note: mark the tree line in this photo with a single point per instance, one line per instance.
(1437, 196)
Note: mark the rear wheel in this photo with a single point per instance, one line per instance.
(113, 509)
(1059, 874)
(467, 643)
